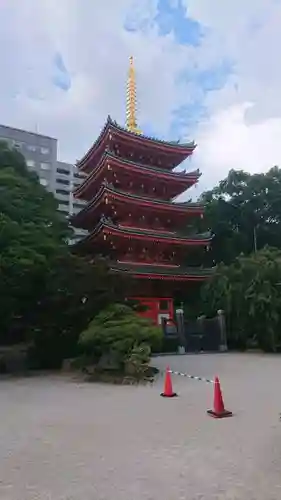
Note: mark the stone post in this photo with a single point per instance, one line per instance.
(222, 327)
(201, 328)
(181, 331)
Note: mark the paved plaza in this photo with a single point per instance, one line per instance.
(61, 439)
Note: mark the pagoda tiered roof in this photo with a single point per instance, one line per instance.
(179, 151)
(107, 227)
(132, 219)
(107, 191)
(183, 179)
(158, 272)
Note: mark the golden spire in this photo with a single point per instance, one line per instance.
(131, 120)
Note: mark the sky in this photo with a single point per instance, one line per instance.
(207, 71)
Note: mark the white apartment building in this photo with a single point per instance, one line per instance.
(40, 152)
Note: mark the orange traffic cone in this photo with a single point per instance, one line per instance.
(218, 411)
(168, 388)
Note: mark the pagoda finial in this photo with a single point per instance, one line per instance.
(131, 120)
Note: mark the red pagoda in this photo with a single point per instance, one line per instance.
(131, 217)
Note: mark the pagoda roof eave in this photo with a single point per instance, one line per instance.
(107, 226)
(186, 178)
(172, 273)
(176, 147)
(184, 207)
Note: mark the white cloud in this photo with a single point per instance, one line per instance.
(238, 134)
(228, 141)
(95, 48)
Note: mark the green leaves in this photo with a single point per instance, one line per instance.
(32, 233)
(118, 329)
(48, 295)
(244, 212)
(248, 290)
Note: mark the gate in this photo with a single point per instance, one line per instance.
(202, 335)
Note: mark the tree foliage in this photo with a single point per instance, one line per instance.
(48, 294)
(75, 291)
(32, 234)
(118, 330)
(249, 292)
(244, 213)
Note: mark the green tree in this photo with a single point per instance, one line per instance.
(32, 234)
(74, 293)
(244, 212)
(249, 292)
(48, 294)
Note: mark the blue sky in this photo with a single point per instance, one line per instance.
(205, 71)
(172, 17)
(61, 78)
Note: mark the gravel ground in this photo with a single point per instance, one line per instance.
(66, 440)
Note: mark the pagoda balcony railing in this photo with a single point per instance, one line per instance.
(107, 221)
(109, 156)
(117, 192)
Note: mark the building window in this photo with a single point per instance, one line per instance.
(30, 163)
(80, 175)
(45, 151)
(31, 147)
(62, 181)
(62, 171)
(76, 210)
(62, 191)
(63, 208)
(64, 202)
(45, 166)
(79, 203)
(44, 182)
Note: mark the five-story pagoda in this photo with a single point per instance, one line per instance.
(130, 216)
